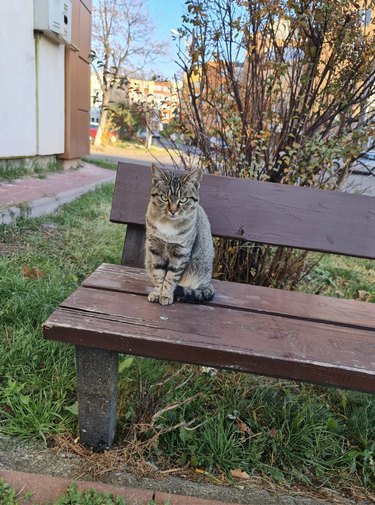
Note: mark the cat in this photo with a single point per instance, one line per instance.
(179, 245)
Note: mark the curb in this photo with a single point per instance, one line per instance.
(44, 488)
(48, 204)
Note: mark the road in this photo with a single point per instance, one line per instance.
(358, 183)
(139, 157)
(362, 183)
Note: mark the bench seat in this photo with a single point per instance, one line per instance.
(245, 328)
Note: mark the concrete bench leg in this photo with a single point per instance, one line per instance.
(97, 374)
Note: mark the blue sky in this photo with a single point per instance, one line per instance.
(166, 15)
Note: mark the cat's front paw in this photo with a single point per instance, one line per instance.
(153, 297)
(166, 300)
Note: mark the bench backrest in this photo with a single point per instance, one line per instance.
(262, 212)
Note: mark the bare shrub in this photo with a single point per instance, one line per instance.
(278, 91)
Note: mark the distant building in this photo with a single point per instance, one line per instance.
(95, 114)
(162, 96)
(210, 89)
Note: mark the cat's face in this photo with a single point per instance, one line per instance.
(175, 195)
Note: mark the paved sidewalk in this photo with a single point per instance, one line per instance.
(33, 197)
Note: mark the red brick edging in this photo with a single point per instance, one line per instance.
(46, 487)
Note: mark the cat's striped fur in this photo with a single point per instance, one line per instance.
(179, 247)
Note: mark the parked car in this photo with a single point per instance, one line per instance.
(93, 129)
(111, 134)
(369, 155)
(218, 144)
(142, 134)
(361, 166)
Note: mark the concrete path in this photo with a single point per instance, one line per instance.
(360, 184)
(33, 197)
(133, 155)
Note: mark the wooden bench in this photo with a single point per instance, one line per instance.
(245, 328)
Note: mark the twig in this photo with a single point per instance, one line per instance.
(170, 377)
(172, 406)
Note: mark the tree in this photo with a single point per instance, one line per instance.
(277, 90)
(122, 44)
(128, 119)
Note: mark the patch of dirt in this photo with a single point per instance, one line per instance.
(79, 464)
(7, 250)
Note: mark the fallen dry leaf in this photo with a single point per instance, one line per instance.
(272, 432)
(243, 427)
(7, 409)
(363, 296)
(239, 474)
(32, 273)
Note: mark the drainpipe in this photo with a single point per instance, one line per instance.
(38, 36)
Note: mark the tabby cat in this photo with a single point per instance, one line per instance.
(179, 247)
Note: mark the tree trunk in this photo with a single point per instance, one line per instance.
(148, 142)
(103, 120)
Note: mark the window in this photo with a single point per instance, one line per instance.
(364, 16)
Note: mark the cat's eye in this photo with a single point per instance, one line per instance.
(164, 198)
(183, 200)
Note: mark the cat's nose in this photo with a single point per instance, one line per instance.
(172, 209)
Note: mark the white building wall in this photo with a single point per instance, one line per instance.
(28, 128)
(51, 110)
(17, 79)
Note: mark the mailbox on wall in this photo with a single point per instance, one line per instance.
(54, 19)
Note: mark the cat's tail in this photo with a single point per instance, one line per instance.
(188, 295)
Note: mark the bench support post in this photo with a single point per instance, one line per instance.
(97, 374)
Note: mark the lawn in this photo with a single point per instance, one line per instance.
(101, 163)
(16, 169)
(219, 426)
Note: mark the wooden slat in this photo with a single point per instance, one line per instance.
(217, 336)
(263, 212)
(284, 303)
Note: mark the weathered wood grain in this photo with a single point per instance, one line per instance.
(271, 301)
(263, 212)
(134, 246)
(217, 336)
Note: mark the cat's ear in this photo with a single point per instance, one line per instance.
(195, 176)
(157, 173)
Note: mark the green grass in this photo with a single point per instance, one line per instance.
(294, 434)
(135, 144)
(342, 277)
(100, 163)
(72, 496)
(7, 494)
(41, 262)
(16, 169)
(130, 144)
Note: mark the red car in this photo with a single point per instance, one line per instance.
(111, 135)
